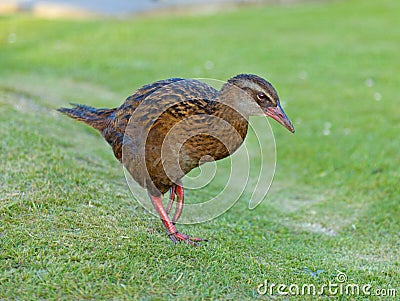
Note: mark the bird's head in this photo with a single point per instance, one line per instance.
(264, 95)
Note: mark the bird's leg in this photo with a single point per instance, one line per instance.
(171, 198)
(179, 202)
(173, 233)
(177, 190)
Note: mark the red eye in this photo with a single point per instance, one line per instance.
(261, 96)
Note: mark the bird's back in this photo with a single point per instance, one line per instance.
(115, 130)
(155, 125)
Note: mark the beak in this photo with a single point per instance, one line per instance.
(279, 115)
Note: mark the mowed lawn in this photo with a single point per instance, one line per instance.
(70, 228)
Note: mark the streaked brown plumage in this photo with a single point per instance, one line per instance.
(167, 128)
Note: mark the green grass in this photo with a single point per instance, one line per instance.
(69, 227)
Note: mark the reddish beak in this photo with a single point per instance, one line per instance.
(279, 115)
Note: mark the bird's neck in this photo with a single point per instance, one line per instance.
(229, 107)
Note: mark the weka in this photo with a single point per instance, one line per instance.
(198, 121)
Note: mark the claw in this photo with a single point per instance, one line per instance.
(177, 237)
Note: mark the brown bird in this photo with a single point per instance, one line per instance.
(167, 128)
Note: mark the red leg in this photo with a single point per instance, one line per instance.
(171, 198)
(179, 203)
(173, 233)
(176, 190)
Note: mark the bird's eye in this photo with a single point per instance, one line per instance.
(261, 96)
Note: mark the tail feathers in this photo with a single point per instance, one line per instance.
(97, 118)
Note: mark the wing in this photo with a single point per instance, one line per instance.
(134, 100)
(114, 132)
(142, 123)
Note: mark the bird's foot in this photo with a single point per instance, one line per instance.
(178, 237)
(173, 234)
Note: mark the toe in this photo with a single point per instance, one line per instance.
(183, 237)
